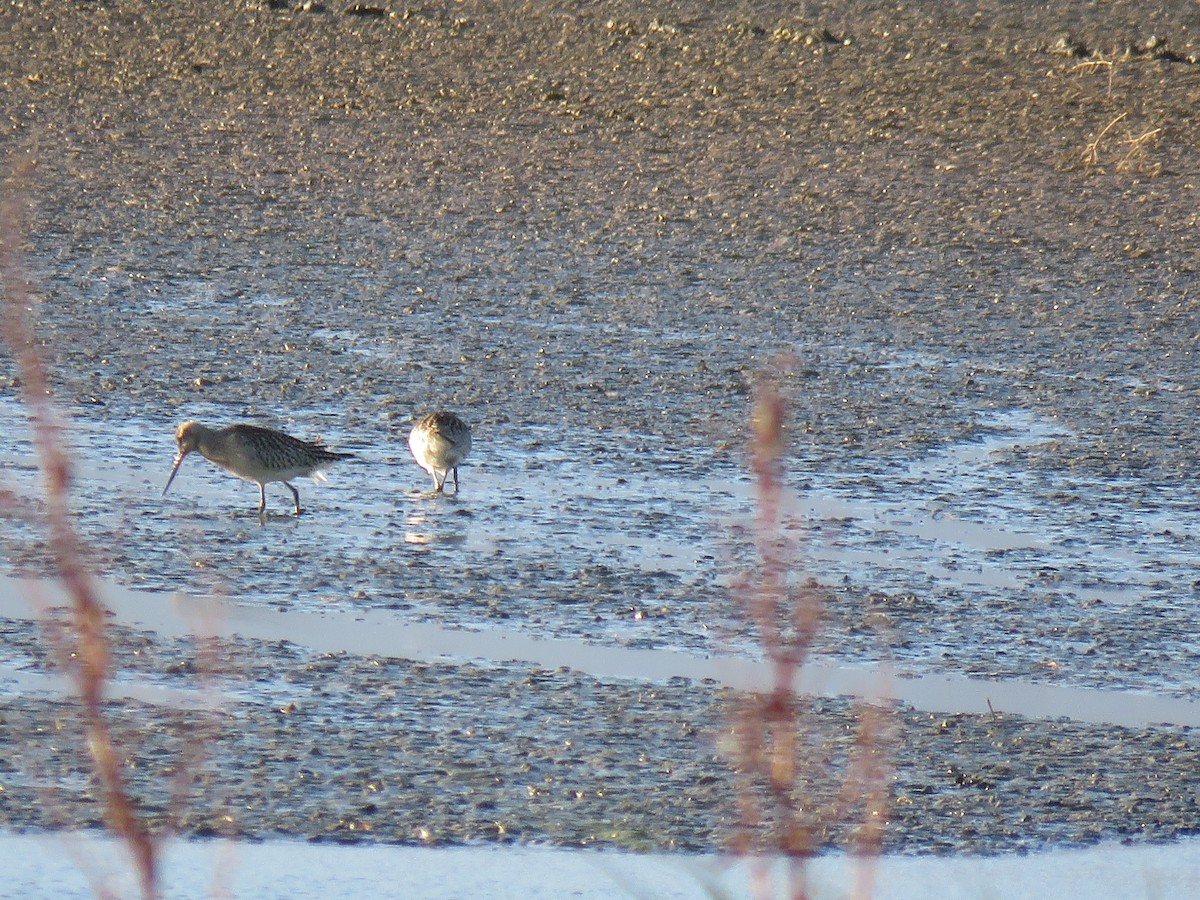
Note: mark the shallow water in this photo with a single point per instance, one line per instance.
(34, 866)
(378, 633)
(978, 566)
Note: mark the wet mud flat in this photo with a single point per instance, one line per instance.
(610, 218)
(961, 563)
(588, 229)
(280, 741)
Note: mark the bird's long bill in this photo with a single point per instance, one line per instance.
(178, 461)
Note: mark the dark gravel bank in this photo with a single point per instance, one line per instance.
(366, 749)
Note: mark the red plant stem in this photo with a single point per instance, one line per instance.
(91, 664)
(774, 748)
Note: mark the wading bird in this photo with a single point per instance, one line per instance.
(256, 454)
(439, 442)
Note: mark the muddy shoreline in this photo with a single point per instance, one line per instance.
(338, 747)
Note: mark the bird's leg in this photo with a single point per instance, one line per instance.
(262, 503)
(438, 483)
(456, 479)
(295, 496)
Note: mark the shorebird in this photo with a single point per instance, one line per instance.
(439, 442)
(255, 454)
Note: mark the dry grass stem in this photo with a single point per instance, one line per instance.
(1136, 155)
(88, 663)
(1091, 154)
(794, 794)
(1096, 64)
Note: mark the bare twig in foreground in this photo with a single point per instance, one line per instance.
(794, 796)
(90, 664)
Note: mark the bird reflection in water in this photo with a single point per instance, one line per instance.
(418, 529)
